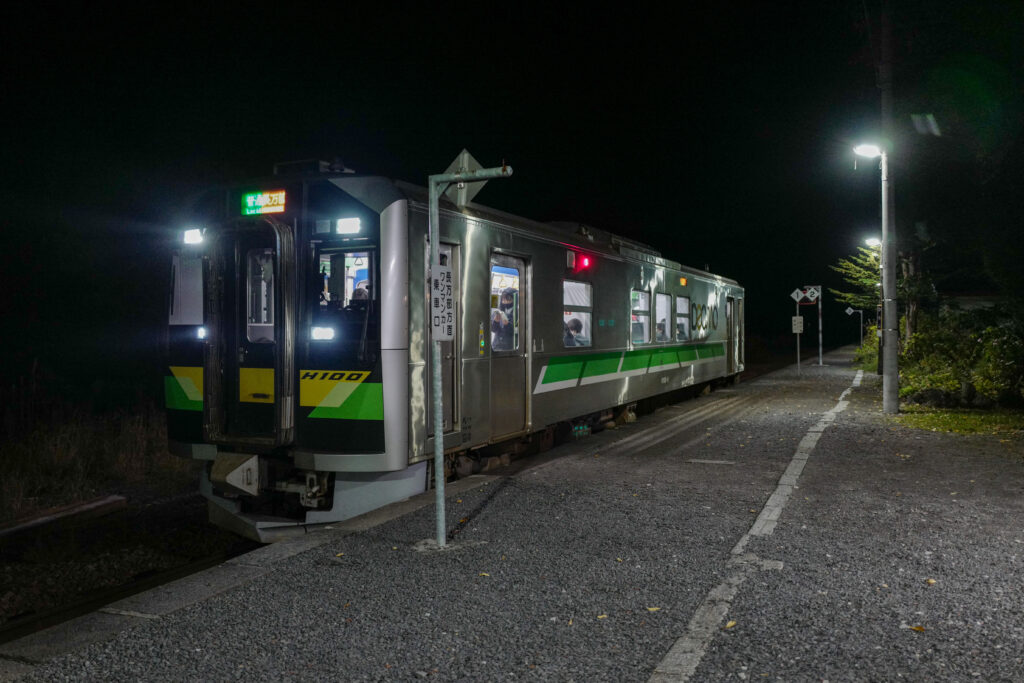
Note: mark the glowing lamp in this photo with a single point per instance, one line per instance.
(321, 333)
(870, 151)
(347, 226)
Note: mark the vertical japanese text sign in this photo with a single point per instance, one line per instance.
(442, 304)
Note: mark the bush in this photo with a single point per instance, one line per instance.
(964, 358)
(866, 356)
(999, 372)
(58, 451)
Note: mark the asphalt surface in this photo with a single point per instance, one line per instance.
(782, 529)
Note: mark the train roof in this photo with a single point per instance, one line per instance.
(375, 188)
(571, 234)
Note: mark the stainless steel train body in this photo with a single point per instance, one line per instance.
(310, 400)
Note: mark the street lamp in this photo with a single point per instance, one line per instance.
(890, 320)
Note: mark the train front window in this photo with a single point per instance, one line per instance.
(345, 278)
(260, 296)
(344, 287)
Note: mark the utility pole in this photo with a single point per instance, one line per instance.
(890, 315)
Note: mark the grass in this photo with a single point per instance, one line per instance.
(56, 452)
(1007, 424)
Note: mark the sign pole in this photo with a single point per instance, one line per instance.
(796, 318)
(819, 326)
(436, 185)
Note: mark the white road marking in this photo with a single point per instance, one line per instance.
(684, 656)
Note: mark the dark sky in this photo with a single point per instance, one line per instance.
(720, 135)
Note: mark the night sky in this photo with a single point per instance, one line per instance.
(720, 135)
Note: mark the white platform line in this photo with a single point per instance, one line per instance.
(685, 655)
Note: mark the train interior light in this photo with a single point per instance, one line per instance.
(348, 226)
(193, 236)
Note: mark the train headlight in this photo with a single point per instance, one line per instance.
(201, 333)
(321, 333)
(193, 236)
(348, 226)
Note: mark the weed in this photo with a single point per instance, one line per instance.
(1002, 423)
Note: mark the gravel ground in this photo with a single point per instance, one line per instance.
(591, 565)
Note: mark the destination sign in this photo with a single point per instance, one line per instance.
(263, 202)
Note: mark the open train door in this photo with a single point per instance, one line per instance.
(509, 306)
(250, 355)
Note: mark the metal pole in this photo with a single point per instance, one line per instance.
(798, 343)
(861, 314)
(890, 318)
(436, 183)
(820, 297)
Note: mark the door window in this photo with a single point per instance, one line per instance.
(505, 288)
(260, 296)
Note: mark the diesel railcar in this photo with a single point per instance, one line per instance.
(299, 340)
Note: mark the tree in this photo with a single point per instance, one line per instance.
(862, 271)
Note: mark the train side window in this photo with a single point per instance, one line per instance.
(682, 318)
(260, 296)
(505, 288)
(640, 317)
(662, 314)
(577, 307)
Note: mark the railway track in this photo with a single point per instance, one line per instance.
(55, 573)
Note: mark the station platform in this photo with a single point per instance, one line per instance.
(781, 529)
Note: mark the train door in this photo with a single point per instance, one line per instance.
(730, 343)
(509, 312)
(249, 366)
(449, 254)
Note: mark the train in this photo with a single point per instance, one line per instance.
(298, 363)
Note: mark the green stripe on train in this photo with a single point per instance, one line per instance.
(366, 402)
(602, 364)
(564, 368)
(175, 397)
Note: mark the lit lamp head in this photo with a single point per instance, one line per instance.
(873, 242)
(870, 151)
